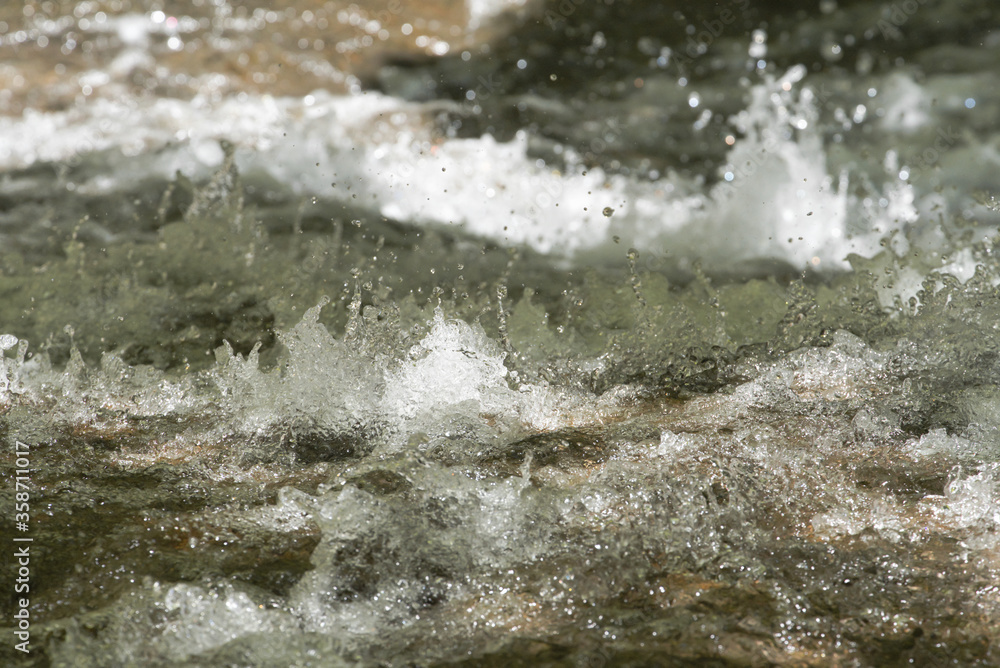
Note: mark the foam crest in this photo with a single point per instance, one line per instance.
(974, 500)
(323, 388)
(168, 624)
(10, 368)
(455, 364)
(453, 382)
(776, 200)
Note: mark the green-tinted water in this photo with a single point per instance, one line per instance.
(281, 412)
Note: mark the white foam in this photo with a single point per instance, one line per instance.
(454, 364)
(10, 369)
(846, 369)
(203, 620)
(938, 442)
(382, 153)
(323, 386)
(907, 106)
(962, 266)
(484, 11)
(974, 501)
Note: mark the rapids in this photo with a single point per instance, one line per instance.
(500, 333)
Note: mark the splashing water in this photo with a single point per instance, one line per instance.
(519, 363)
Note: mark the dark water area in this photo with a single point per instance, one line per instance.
(546, 333)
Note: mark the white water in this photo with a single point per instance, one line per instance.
(778, 199)
(471, 476)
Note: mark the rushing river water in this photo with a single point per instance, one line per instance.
(578, 333)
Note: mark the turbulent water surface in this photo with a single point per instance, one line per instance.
(572, 333)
